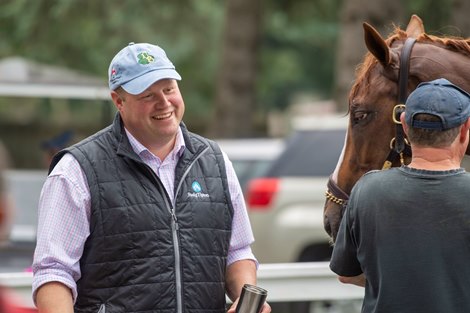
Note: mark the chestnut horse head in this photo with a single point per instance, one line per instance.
(370, 140)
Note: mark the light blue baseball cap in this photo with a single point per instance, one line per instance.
(440, 98)
(138, 66)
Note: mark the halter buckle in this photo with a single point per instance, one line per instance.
(397, 110)
(392, 143)
(387, 165)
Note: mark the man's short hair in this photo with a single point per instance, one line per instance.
(431, 137)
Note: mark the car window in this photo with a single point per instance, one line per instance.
(251, 157)
(309, 153)
(249, 169)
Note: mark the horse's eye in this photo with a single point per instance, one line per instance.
(359, 116)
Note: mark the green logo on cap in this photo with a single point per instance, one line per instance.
(145, 58)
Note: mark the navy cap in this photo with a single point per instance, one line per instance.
(58, 142)
(440, 98)
(138, 66)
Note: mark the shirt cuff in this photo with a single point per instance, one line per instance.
(241, 254)
(42, 279)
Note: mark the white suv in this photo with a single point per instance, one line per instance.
(251, 157)
(286, 204)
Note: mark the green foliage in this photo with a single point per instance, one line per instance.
(298, 51)
(85, 35)
(435, 20)
(297, 54)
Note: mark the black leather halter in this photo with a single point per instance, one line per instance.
(398, 144)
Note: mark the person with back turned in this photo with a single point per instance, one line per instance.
(405, 234)
(143, 216)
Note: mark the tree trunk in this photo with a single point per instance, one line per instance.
(381, 14)
(235, 99)
(459, 17)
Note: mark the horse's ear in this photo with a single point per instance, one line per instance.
(415, 27)
(376, 45)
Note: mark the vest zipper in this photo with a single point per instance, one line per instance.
(186, 174)
(102, 308)
(174, 228)
(174, 233)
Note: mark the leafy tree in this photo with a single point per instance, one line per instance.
(85, 35)
(459, 17)
(235, 99)
(351, 48)
(297, 43)
(298, 51)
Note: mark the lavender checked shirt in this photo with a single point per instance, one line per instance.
(64, 215)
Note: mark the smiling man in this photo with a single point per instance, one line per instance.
(143, 215)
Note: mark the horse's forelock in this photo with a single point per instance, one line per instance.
(362, 76)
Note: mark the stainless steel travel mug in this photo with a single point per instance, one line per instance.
(252, 299)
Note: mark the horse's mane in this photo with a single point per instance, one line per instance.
(456, 44)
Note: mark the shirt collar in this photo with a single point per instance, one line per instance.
(139, 148)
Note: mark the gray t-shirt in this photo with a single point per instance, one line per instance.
(408, 230)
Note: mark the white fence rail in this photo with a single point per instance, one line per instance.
(304, 281)
(284, 282)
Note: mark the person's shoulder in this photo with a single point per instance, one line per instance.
(201, 140)
(373, 175)
(379, 174)
(66, 166)
(375, 178)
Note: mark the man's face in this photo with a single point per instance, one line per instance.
(152, 117)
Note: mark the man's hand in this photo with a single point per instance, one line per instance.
(240, 273)
(359, 280)
(266, 307)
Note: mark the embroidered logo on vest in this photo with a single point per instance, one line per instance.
(197, 191)
(196, 186)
